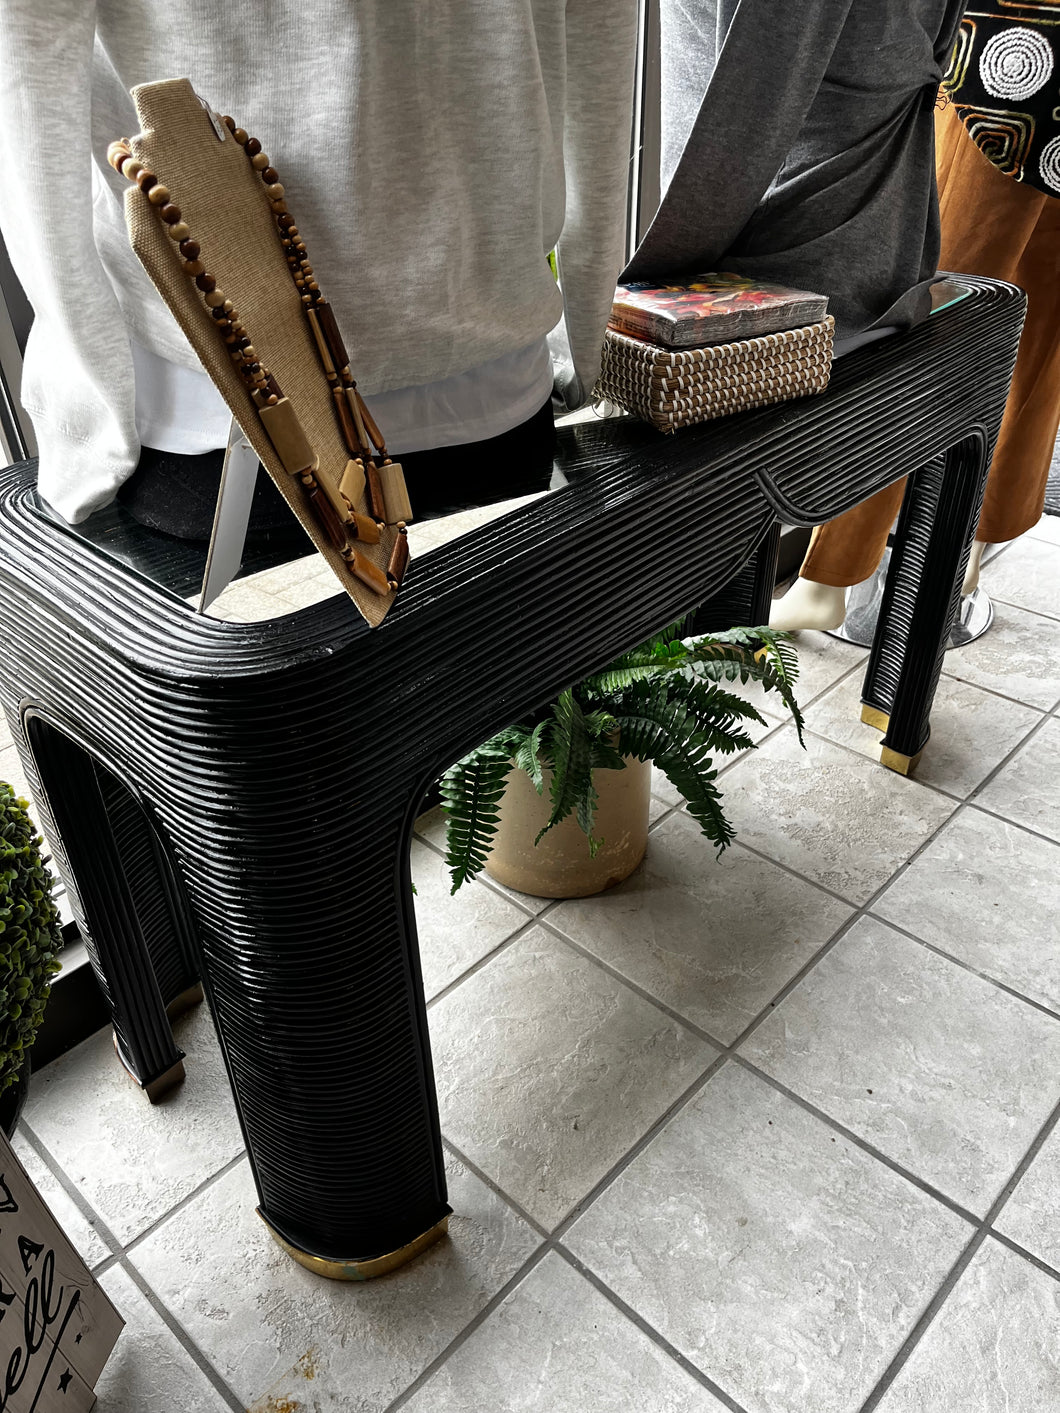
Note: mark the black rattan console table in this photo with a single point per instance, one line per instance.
(234, 803)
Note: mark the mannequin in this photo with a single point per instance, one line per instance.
(798, 145)
(807, 160)
(434, 167)
(1000, 208)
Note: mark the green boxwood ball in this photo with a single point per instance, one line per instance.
(30, 934)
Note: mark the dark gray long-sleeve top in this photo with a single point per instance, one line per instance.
(798, 139)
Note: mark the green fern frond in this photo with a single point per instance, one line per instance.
(614, 680)
(702, 797)
(666, 701)
(750, 655)
(656, 726)
(585, 812)
(471, 792)
(718, 714)
(606, 756)
(599, 724)
(569, 751)
(640, 663)
(528, 756)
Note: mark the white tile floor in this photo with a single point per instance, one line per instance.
(777, 1134)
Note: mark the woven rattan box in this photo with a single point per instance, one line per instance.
(675, 388)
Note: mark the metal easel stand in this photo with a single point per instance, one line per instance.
(231, 518)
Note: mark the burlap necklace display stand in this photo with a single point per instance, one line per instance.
(224, 203)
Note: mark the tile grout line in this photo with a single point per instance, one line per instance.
(476, 966)
(863, 756)
(747, 753)
(924, 1323)
(1052, 617)
(118, 1258)
(794, 872)
(686, 1097)
(184, 1339)
(861, 910)
(1017, 1250)
(1044, 714)
(960, 805)
(1036, 730)
(70, 1189)
(822, 1115)
(495, 1188)
(183, 1202)
(550, 1242)
(1001, 696)
(1037, 1144)
(962, 1263)
(462, 1336)
(697, 1030)
(977, 804)
(635, 1318)
(1052, 1013)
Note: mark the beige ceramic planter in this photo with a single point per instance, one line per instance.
(560, 866)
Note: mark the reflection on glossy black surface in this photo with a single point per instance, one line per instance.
(172, 564)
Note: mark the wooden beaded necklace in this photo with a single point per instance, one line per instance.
(370, 469)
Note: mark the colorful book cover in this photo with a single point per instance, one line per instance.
(711, 308)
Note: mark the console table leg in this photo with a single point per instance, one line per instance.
(120, 956)
(746, 601)
(328, 1050)
(933, 540)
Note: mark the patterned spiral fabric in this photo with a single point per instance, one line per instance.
(1004, 81)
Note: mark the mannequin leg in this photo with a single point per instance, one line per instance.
(809, 605)
(975, 560)
(843, 552)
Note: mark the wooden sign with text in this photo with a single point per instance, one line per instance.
(57, 1328)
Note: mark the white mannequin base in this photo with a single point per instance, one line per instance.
(820, 606)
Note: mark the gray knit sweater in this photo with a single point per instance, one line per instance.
(799, 146)
(434, 153)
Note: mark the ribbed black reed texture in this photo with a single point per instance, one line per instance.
(278, 766)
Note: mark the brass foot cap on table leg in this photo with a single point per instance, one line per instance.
(894, 760)
(156, 1089)
(873, 716)
(194, 996)
(359, 1269)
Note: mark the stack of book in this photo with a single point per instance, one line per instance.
(682, 353)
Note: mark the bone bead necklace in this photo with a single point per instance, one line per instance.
(369, 469)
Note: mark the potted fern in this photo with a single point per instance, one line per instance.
(30, 939)
(557, 805)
